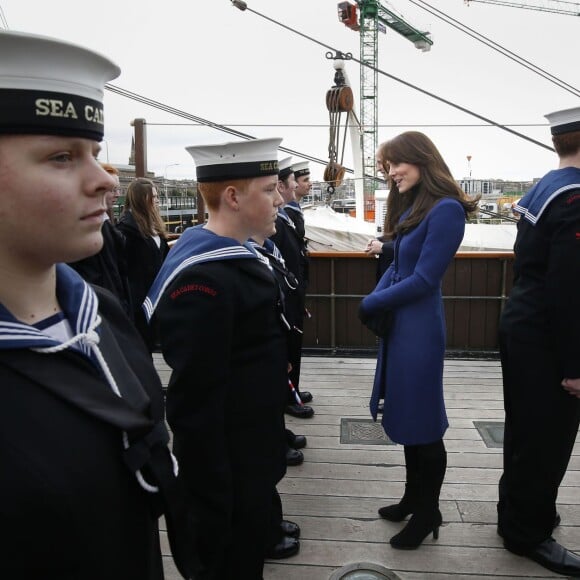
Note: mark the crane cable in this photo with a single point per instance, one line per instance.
(3, 19)
(551, 9)
(495, 46)
(239, 3)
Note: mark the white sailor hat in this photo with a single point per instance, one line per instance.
(565, 121)
(301, 168)
(285, 168)
(52, 87)
(235, 160)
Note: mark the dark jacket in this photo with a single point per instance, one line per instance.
(293, 248)
(70, 504)
(221, 334)
(544, 304)
(385, 258)
(108, 268)
(144, 260)
(297, 217)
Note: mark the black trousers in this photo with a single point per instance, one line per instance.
(275, 534)
(295, 304)
(541, 423)
(295, 358)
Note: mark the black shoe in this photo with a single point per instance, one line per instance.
(295, 441)
(300, 411)
(552, 556)
(305, 396)
(299, 442)
(285, 548)
(418, 528)
(294, 457)
(290, 529)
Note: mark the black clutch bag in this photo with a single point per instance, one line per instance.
(380, 323)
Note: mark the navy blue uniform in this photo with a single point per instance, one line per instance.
(217, 305)
(540, 346)
(293, 249)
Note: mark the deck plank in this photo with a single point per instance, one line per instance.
(335, 494)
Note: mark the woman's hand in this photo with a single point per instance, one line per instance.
(572, 386)
(374, 247)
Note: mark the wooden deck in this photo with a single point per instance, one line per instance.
(335, 494)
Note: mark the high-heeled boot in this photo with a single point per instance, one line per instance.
(399, 511)
(426, 519)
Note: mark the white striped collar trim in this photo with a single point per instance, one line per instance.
(212, 256)
(533, 219)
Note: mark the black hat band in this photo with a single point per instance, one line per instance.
(301, 173)
(284, 173)
(227, 171)
(36, 112)
(566, 128)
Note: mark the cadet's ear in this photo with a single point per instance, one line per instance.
(230, 197)
(280, 186)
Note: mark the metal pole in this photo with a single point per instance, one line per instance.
(140, 147)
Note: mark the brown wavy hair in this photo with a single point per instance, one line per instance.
(139, 200)
(436, 181)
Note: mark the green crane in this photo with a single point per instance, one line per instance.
(369, 17)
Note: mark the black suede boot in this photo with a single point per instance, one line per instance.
(399, 511)
(426, 519)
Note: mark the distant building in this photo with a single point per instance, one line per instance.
(493, 188)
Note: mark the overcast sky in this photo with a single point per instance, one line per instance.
(209, 59)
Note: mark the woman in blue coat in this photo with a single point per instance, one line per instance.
(426, 213)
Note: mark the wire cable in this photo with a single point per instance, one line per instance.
(554, 10)
(172, 110)
(319, 125)
(495, 46)
(3, 18)
(406, 83)
(168, 109)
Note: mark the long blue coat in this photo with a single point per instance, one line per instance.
(409, 371)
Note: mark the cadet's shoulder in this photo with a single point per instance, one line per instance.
(220, 273)
(565, 206)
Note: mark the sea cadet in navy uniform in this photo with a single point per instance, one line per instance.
(293, 208)
(301, 171)
(540, 352)
(290, 242)
(218, 308)
(85, 468)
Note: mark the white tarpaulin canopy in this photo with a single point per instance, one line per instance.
(329, 231)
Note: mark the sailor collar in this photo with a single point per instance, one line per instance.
(554, 183)
(282, 213)
(79, 304)
(294, 205)
(195, 246)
